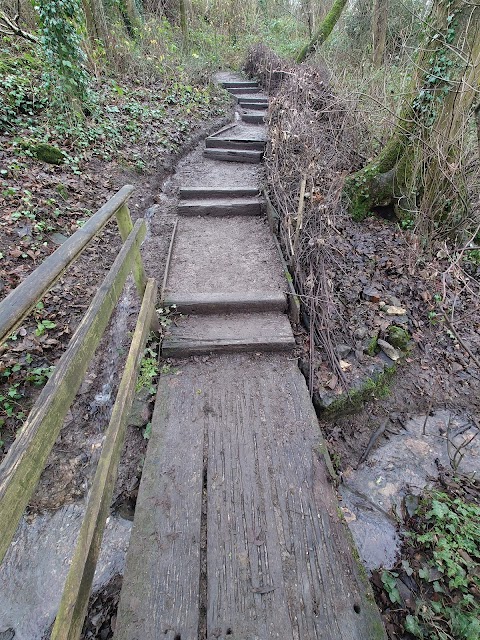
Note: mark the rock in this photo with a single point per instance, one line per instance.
(344, 365)
(48, 153)
(398, 338)
(342, 350)
(26, 230)
(390, 351)
(58, 238)
(395, 302)
(371, 294)
(140, 411)
(395, 311)
(360, 333)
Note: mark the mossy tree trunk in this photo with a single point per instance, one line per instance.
(379, 31)
(324, 30)
(443, 91)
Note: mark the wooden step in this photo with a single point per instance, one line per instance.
(236, 333)
(203, 193)
(230, 155)
(238, 531)
(253, 118)
(235, 143)
(256, 106)
(240, 84)
(208, 303)
(251, 206)
(263, 99)
(240, 90)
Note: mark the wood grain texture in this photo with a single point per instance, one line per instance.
(160, 594)
(24, 462)
(228, 155)
(71, 614)
(22, 299)
(277, 562)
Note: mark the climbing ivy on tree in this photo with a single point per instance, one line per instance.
(61, 40)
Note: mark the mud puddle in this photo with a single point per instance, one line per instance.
(376, 495)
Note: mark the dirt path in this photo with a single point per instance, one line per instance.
(237, 530)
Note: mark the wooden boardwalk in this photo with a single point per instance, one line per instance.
(237, 532)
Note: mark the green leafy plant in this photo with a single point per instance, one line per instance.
(148, 373)
(43, 325)
(447, 537)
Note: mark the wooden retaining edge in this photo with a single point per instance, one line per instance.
(204, 193)
(73, 606)
(294, 309)
(23, 298)
(167, 263)
(24, 462)
(217, 303)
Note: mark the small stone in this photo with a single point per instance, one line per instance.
(342, 350)
(344, 365)
(140, 412)
(371, 294)
(390, 351)
(58, 238)
(395, 311)
(395, 302)
(360, 333)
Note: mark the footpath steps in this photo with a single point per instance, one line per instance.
(237, 534)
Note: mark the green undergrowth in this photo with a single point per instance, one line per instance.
(443, 562)
(377, 386)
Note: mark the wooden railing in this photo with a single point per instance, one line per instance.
(21, 469)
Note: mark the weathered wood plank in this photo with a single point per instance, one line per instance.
(206, 303)
(192, 193)
(279, 563)
(227, 155)
(24, 463)
(160, 596)
(235, 144)
(69, 621)
(167, 263)
(21, 300)
(218, 207)
(253, 118)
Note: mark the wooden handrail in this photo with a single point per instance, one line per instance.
(21, 300)
(26, 458)
(72, 610)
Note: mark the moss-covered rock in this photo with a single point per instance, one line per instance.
(398, 338)
(48, 153)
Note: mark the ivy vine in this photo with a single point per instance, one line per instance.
(61, 43)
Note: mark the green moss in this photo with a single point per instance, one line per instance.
(374, 387)
(372, 348)
(48, 153)
(398, 338)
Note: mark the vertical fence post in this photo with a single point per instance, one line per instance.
(125, 225)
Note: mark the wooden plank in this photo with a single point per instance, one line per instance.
(192, 193)
(255, 106)
(242, 90)
(253, 118)
(21, 300)
(235, 143)
(125, 226)
(167, 264)
(24, 463)
(227, 155)
(206, 303)
(217, 207)
(240, 84)
(71, 614)
(279, 564)
(160, 595)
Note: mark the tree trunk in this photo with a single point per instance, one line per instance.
(183, 22)
(379, 31)
(324, 30)
(443, 90)
(96, 20)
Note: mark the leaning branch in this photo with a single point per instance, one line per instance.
(11, 27)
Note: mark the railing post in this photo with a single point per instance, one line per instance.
(125, 225)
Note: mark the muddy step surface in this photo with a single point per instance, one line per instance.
(228, 333)
(248, 301)
(229, 155)
(242, 206)
(237, 255)
(236, 531)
